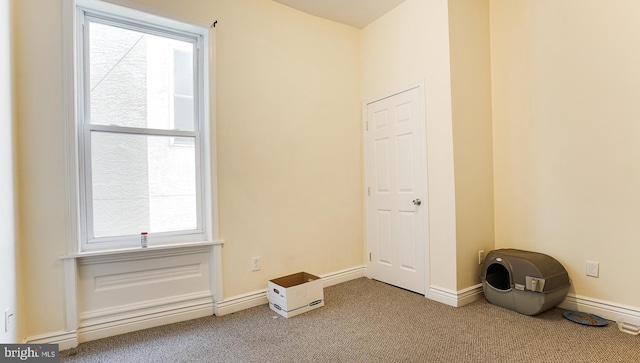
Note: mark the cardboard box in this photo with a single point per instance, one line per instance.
(295, 294)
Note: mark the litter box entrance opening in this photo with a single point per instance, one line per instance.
(498, 277)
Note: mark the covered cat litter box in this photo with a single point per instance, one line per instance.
(523, 281)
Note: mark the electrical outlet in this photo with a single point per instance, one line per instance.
(480, 257)
(593, 268)
(255, 264)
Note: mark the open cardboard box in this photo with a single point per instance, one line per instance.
(295, 294)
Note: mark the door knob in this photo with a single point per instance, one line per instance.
(417, 202)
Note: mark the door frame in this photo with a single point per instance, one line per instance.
(421, 90)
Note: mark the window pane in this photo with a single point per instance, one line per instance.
(142, 183)
(183, 112)
(132, 76)
(183, 72)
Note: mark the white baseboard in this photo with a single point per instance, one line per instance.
(455, 298)
(628, 315)
(125, 319)
(241, 302)
(339, 277)
(98, 326)
(257, 298)
(470, 294)
(64, 339)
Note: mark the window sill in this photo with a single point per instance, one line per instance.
(141, 253)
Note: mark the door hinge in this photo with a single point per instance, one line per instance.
(367, 125)
(369, 191)
(369, 256)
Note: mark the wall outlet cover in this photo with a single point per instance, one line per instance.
(593, 269)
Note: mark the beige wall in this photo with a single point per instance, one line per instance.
(472, 135)
(40, 150)
(289, 145)
(566, 84)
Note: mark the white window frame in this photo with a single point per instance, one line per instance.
(206, 199)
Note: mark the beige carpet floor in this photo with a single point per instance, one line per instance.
(368, 321)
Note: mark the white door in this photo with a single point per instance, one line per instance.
(396, 199)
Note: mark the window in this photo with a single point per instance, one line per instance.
(142, 129)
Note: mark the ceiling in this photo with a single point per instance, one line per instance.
(357, 13)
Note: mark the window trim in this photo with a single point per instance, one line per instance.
(78, 162)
